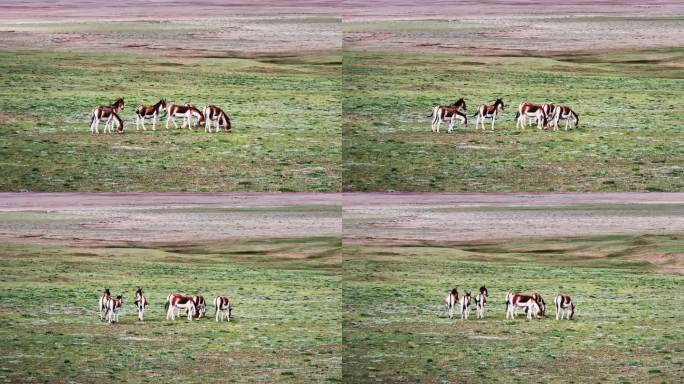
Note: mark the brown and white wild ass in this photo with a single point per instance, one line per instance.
(542, 303)
(186, 111)
(177, 301)
(149, 112)
(548, 112)
(481, 301)
(113, 307)
(528, 302)
(106, 113)
(114, 118)
(200, 306)
(102, 304)
(140, 302)
(465, 306)
(451, 300)
(215, 114)
(564, 303)
(449, 112)
(222, 308)
(488, 111)
(564, 113)
(530, 110)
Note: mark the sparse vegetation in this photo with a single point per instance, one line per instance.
(629, 104)
(286, 324)
(627, 326)
(285, 113)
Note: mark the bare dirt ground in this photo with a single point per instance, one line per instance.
(160, 9)
(493, 217)
(172, 28)
(115, 219)
(360, 10)
(509, 28)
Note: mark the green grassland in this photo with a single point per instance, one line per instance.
(286, 325)
(285, 113)
(627, 326)
(629, 138)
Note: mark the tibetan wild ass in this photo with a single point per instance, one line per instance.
(488, 111)
(215, 114)
(448, 113)
(149, 112)
(222, 308)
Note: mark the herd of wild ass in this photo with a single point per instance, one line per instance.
(532, 304)
(195, 306)
(110, 115)
(541, 113)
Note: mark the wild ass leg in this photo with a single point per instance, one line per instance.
(493, 119)
(107, 128)
(172, 119)
(434, 118)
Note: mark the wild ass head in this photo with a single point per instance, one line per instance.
(460, 103)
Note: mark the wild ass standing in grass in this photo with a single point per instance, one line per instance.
(113, 307)
(102, 304)
(481, 301)
(106, 113)
(200, 306)
(216, 114)
(451, 300)
(177, 301)
(114, 118)
(548, 112)
(488, 111)
(465, 306)
(140, 302)
(186, 111)
(564, 113)
(530, 110)
(564, 303)
(149, 112)
(448, 112)
(542, 303)
(528, 302)
(222, 308)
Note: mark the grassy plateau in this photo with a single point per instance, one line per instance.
(627, 326)
(286, 325)
(629, 103)
(285, 112)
